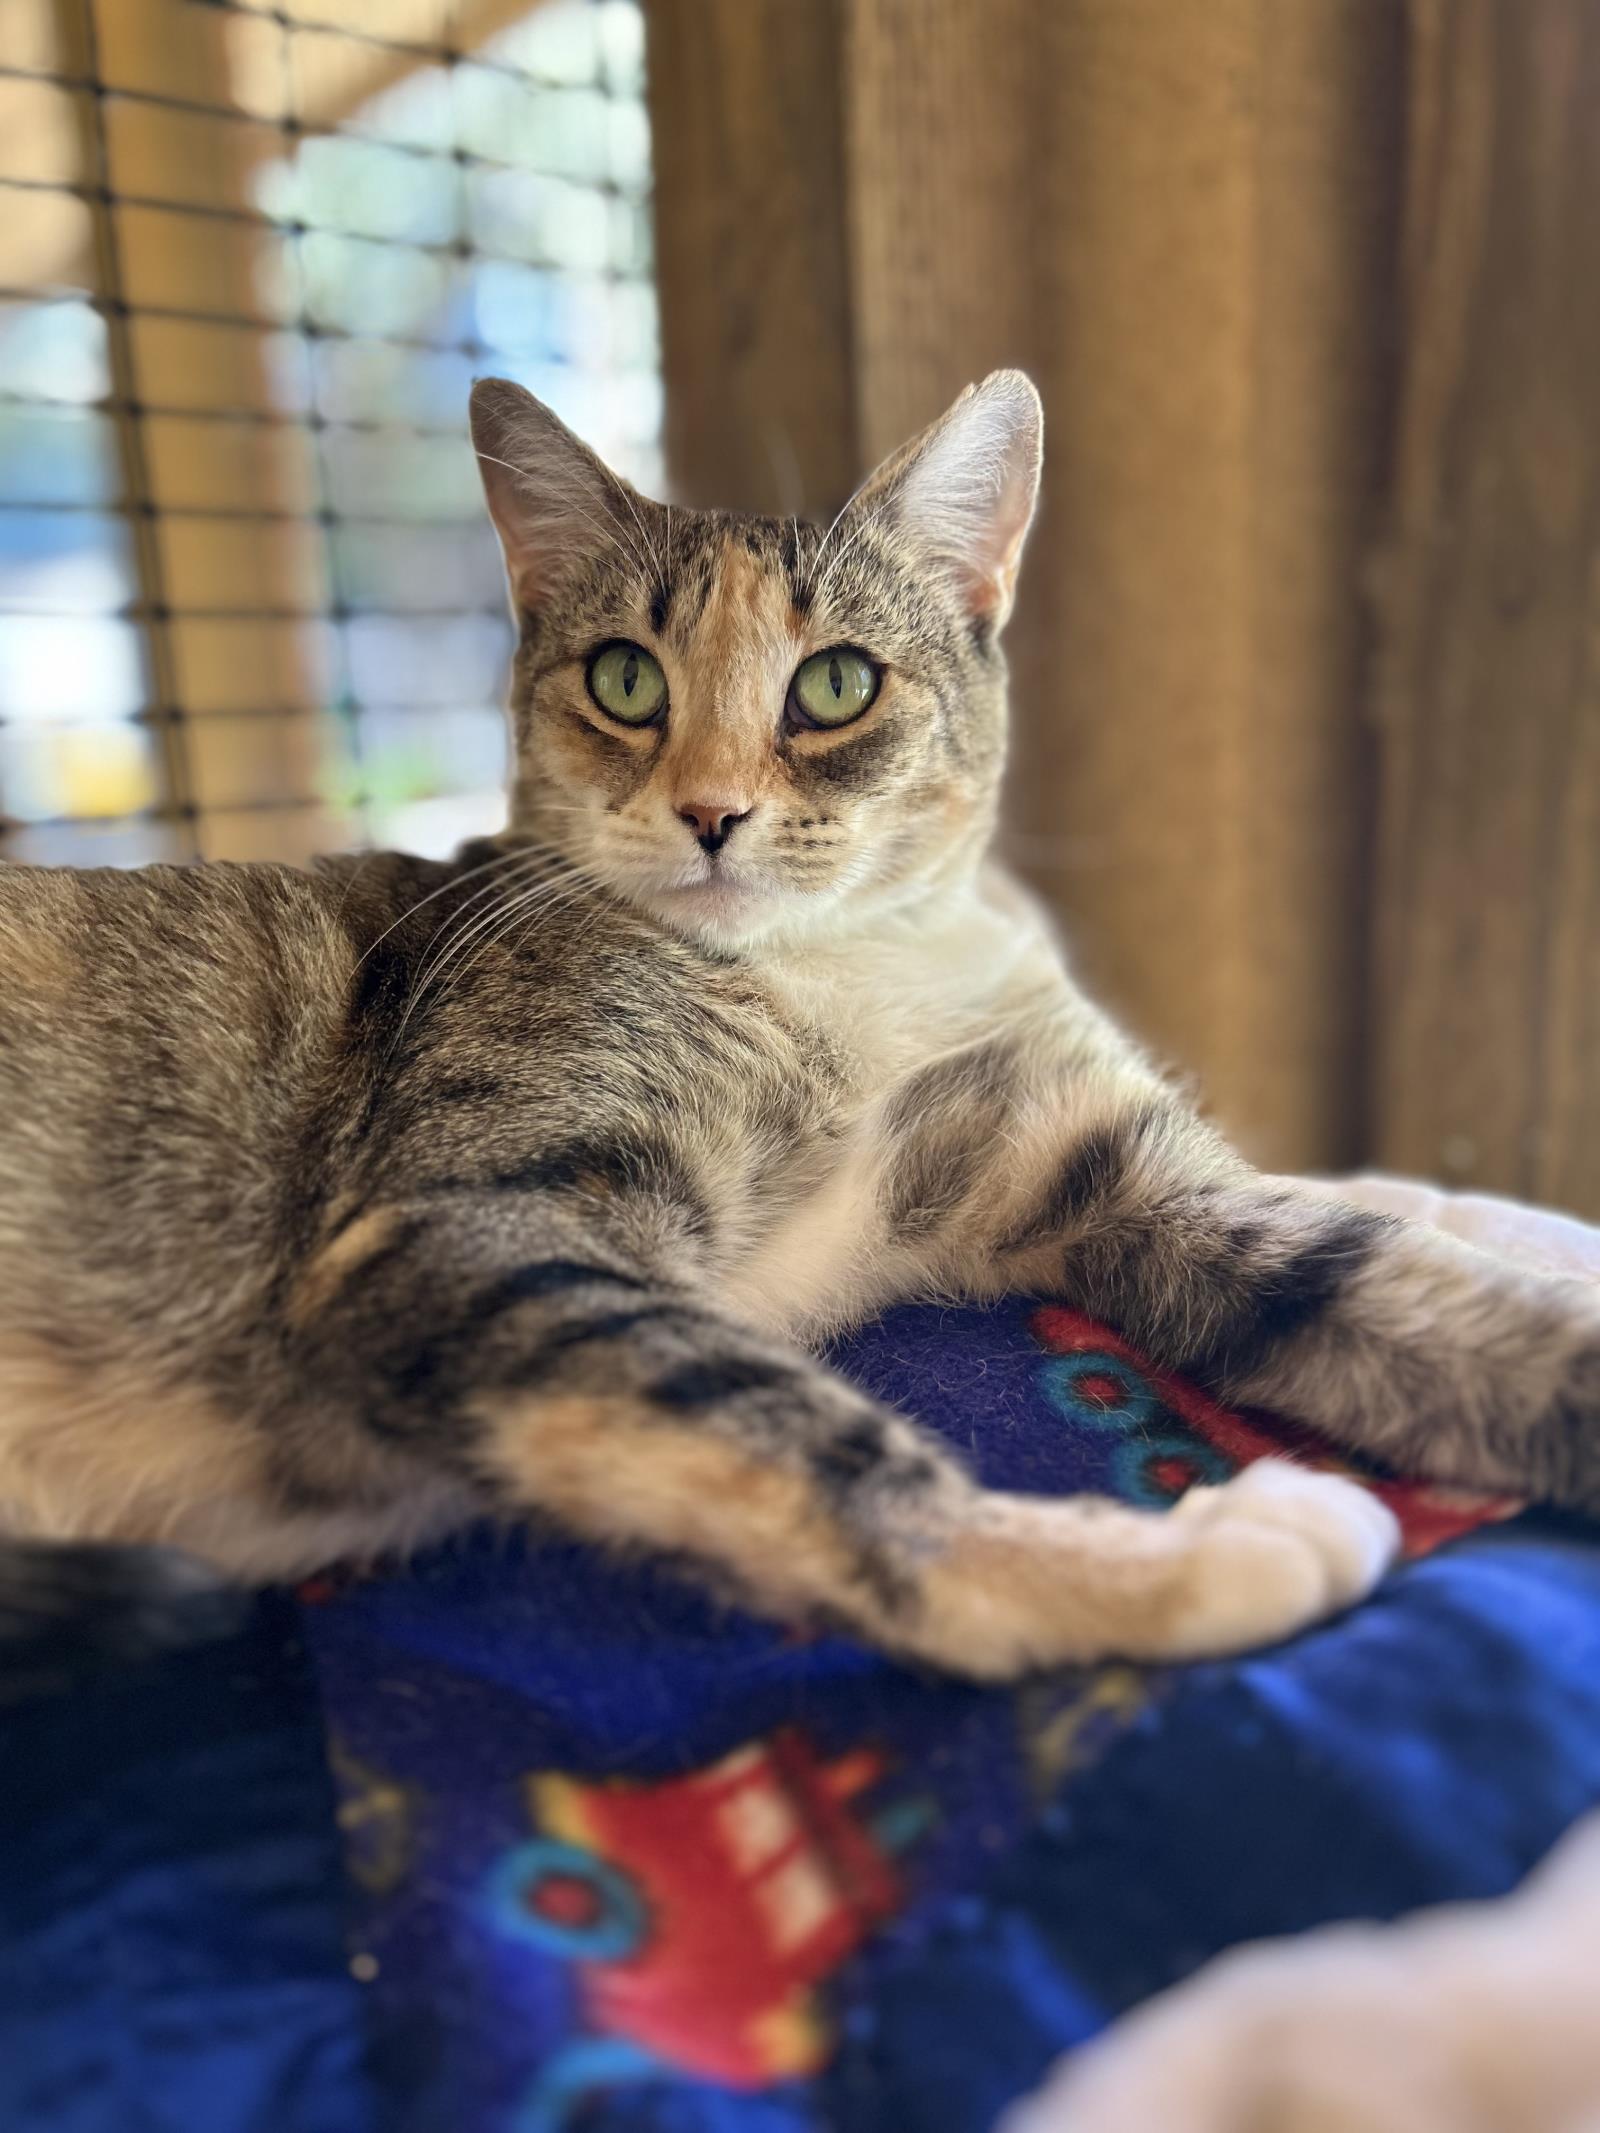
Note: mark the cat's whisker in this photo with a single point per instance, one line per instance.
(555, 874)
(650, 548)
(852, 540)
(834, 524)
(453, 917)
(826, 577)
(529, 906)
(429, 980)
(617, 533)
(602, 904)
(459, 926)
(458, 918)
(613, 533)
(454, 882)
(356, 873)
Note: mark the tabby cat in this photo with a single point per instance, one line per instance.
(340, 1207)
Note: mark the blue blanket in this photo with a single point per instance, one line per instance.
(596, 1854)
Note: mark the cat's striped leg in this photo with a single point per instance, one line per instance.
(576, 1386)
(1390, 1337)
(791, 1491)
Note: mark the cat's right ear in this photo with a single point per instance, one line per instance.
(551, 498)
(962, 494)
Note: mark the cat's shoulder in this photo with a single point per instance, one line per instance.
(218, 928)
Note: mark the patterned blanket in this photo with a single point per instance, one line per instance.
(604, 1856)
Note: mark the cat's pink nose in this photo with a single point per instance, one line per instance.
(712, 821)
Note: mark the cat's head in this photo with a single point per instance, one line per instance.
(754, 726)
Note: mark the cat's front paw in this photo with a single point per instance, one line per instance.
(1029, 1581)
(1270, 1552)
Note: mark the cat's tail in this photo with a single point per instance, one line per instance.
(71, 1610)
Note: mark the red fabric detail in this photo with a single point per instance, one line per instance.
(1429, 1513)
(760, 1881)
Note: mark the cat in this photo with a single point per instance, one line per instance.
(340, 1207)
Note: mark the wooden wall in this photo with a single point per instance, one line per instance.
(1232, 245)
(1486, 1056)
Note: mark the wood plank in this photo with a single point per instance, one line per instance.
(188, 565)
(1487, 965)
(746, 103)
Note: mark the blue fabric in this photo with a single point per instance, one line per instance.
(171, 1933)
(617, 1859)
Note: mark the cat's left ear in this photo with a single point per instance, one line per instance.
(963, 492)
(552, 499)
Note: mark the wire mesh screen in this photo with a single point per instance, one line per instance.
(250, 259)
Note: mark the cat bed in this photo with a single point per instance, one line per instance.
(596, 1854)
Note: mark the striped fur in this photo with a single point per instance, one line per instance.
(339, 1207)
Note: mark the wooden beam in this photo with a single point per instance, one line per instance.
(237, 789)
(1487, 969)
(747, 109)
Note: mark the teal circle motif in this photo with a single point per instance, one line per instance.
(1062, 1379)
(1135, 1483)
(615, 1928)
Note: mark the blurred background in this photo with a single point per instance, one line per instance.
(1307, 661)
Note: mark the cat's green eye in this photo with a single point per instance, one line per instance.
(833, 687)
(627, 684)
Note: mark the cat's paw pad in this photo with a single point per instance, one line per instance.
(1272, 1551)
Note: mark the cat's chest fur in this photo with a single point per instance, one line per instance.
(943, 973)
(887, 1003)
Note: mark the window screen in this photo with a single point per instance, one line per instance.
(250, 259)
